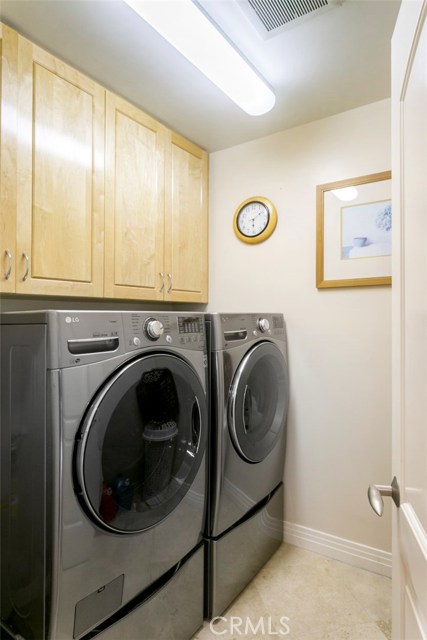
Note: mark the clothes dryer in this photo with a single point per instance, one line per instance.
(249, 403)
(103, 474)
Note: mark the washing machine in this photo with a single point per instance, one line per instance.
(249, 402)
(103, 474)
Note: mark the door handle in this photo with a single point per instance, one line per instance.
(377, 491)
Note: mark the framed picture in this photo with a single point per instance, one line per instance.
(353, 243)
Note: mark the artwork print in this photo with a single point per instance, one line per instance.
(366, 230)
(354, 232)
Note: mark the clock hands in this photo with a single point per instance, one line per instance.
(255, 216)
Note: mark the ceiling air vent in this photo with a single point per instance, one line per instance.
(271, 17)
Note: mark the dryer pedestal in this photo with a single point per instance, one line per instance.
(235, 557)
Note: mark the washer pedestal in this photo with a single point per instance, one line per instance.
(175, 611)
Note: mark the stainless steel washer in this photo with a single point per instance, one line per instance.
(103, 474)
(249, 404)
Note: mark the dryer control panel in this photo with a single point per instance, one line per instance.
(232, 329)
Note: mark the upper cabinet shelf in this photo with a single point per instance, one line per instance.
(97, 198)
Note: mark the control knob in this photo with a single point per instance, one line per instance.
(263, 325)
(153, 329)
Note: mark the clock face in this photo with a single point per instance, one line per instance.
(255, 220)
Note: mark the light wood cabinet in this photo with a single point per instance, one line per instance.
(8, 172)
(186, 221)
(97, 198)
(60, 165)
(155, 211)
(134, 203)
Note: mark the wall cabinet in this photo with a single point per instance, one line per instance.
(134, 203)
(97, 198)
(186, 220)
(155, 210)
(59, 178)
(8, 173)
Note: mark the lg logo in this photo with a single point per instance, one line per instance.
(69, 319)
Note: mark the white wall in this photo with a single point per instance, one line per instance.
(339, 426)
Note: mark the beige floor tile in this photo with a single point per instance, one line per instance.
(302, 595)
(368, 631)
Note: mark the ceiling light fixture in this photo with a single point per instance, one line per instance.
(187, 28)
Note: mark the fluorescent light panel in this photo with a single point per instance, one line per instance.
(186, 28)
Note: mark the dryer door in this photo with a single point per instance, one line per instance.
(258, 402)
(141, 443)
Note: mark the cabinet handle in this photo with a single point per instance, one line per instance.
(162, 275)
(9, 259)
(27, 261)
(170, 283)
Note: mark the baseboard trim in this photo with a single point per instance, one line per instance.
(354, 553)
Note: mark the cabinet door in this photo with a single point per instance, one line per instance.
(8, 137)
(134, 205)
(186, 226)
(60, 202)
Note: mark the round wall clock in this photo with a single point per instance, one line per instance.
(255, 220)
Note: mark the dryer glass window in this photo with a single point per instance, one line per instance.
(142, 443)
(259, 402)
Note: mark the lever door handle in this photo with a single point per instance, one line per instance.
(377, 491)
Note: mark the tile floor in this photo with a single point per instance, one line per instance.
(301, 595)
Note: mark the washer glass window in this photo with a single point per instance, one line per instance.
(258, 402)
(141, 443)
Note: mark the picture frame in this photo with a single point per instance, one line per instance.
(353, 232)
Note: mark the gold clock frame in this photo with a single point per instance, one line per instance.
(271, 225)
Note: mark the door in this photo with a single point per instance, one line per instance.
(134, 203)
(60, 165)
(258, 402)
(409, 109)
(141, 443)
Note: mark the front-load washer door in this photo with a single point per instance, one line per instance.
(258, 402)
(141, 443)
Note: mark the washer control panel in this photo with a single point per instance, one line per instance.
(183, 330)
(80, 337)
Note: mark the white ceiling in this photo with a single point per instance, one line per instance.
(332, 62)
